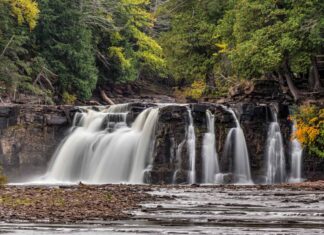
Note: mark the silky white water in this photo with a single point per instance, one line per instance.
(209, 154)
(191, 145)
(275, 155)
(179, 162)
(235, 144)
(296, 159)
(103, 149)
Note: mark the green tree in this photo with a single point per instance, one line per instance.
(17, 62)
(66, 44)
(275, 38)
(191, 46)
(127, 50)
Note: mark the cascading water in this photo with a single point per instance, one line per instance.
(103, 149)
(236, 139)
(275, 156)
(179, 162)
(209, 154)
(296, 159)
(191, 146)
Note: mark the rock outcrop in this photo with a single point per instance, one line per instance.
(30, 135)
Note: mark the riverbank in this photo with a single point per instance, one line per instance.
(70, 204)
(76, 204)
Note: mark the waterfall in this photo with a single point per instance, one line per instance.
(102, 148)
(179, 161)
(191, 146)
(209, 154)
(296, 159)
(236, 139)
(275, 156)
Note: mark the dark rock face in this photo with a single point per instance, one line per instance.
(313, 167)
(30, 135)
(171, 131)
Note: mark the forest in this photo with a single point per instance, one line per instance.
(63, 51)
(161, 117)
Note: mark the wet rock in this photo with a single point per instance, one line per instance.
(30, 135)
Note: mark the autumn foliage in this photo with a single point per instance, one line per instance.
(310, 128)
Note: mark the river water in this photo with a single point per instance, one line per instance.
(207, 210)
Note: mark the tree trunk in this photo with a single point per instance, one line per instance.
(287, 75)
(105, 97)
(317, 82)
(278, 76)
(292, 88)
(311, 79)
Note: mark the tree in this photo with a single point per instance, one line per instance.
(127, 51)
(17, 65)
(279, 38)
(191, 46)
(67, 45)
(26, 11)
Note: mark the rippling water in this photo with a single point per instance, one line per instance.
(207, 210)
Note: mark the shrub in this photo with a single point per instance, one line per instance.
(68, 98)
(196, 90)
(310, 128)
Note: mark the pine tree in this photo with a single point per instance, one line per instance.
(67, 45)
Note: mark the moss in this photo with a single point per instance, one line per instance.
(3, 178)
(108, 196)
(59, 201)
(12, 201)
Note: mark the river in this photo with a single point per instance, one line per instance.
(206, 210)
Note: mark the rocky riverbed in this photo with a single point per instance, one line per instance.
(167, 209)
(70, 204)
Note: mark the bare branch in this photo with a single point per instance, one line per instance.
(6, 47)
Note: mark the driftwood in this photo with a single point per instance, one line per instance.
(105, 97)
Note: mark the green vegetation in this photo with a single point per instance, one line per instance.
(63, 50)
(14, 201)
(67, 48)
(244, 39)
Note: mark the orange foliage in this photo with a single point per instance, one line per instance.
(310, 128)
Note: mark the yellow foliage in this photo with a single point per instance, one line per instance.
(135, 2)
(306, 134)
(310, 128)
(26, 11)
(118, 54)
(222, 47)
(68, 98)
(196, 90)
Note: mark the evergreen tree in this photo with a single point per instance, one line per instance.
(67, 45)
(17, 63)
(276, 38)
